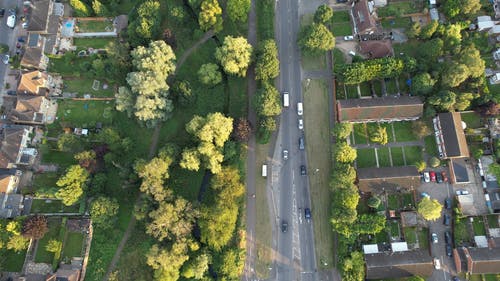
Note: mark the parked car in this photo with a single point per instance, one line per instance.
(437, 263)
(352, 53)
(285, 154)
(432, 174)
(12, 93)
(21, 39)
(427, 177)
(307, 213)
(301, 143)
(447, 203)
(303, 170)
(439, 178)
(5, 59)
(449, 251)
(301, 124)
(2, 12)
(25, 25)
(349, 38)
(447, 237)
(434, 238)
(447, 219)
(455, 278)
(284, 226)
(445, 178)
(462, 192)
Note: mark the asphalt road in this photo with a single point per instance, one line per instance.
(7, 36)
(295, 257)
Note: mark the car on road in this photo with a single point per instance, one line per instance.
(427, 177)
(11, 19)
(437, 263)
(349, 38)
(12, 93)
(25, 25)
(455, 278)
(447, 203)
(462, 192)
(300, 108)
(301, 143)
(2, 12)
(432, 174)
(21, 39)
(449, 251)
(447, 237)
(445, 178)
(439, 178)
(307, 213)
(446, 220)
(5, 59)
(285, 154)
(284, 226)
(303, 171)
(434, 238)
(301, 124)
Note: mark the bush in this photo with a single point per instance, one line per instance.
(434, 162)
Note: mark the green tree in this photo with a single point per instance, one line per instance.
(183, 92)
(72, 184)
(421, 165)
(434, 162)
(494, 169)
(429, 30)
(69, 143)
(54, 246)
(230, 264)
(210, 16)
(353, 268)
(4, 48)
(374, 202)
(422, 84)
(344, 202)
(463, 8)
(444, 100)
(237, 10)
(323, 14)
(145, 26)
(344, 153)
(80, 9)
(196, 268)
(167, 263)
(268, 124)
(379, 135)
(103, 211)
(471, 58)
(17, 243)
(414, 30)
(477, 153)
(86, 159)
(35, 227)
(343, 175)
(234, 55)
(267, 65)
(342, 130)
(210, 132)
(420, 129)
(124, 101)
(370, 223)
(172, 221)
(209, 74)
(316, 38)
(99, 9)
(429, 209)
(463, 101)
(268, 101)
(14, 227)
(429, 51)
(154, 173)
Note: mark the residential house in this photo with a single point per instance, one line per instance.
(484, 23)
(363, 18)
(478, 260)
(11, 205)
(30, 110)
(14, 148)
(392, 179)
(34, 58)
(374, 49)
(45, 24)
(398, 264)
(34, 83)
(67, 272)
(9, 180)
(385, 109)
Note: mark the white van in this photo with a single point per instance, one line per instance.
(286, 99)
(264, 170)
(300, 109)
(11, 21)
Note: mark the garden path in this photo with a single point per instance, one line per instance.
(209, 34)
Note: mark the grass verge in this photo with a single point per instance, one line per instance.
(317, 131)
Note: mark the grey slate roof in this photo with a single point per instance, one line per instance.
(398, 264)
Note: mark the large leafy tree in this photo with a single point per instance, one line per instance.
(422, 84)
(196, 268)
(210, 132)
(210, 16)
(148, 97)
(343, 175)
(429, 30)
(237, 10)
(323, 14)
(462, 8)
(35, 227)
(234, 55)
(268, 101)
(54, 246)
(17, 243)
(379, 135)
(103, 211)
(145, 26)
(210, 74)
(172, 220)
(167, 263)
(429, 209)
(154, 173)
(344, 153)
(444, 100)
(316, 38)
(72, 185)
(353, 268)
(471, 58)
(342, 130)
(344, 202)
(80, 9)
(267, 65)
(230, 263)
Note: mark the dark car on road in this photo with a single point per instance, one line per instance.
(284, 226)
(447, 219)
(2, 12)
(449, 250)
(447, 203)
(301, 143)
(447, 237)
(303, 170)
(307, 213)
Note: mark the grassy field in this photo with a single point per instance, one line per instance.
(94, 26)
(46, 206)
(431, 145)
(317, 130)
(472, 119)
(478, 226)
(396, 8)
(340, 17)
(410, 235)
(311, 62)
(12, 261)
(96, 43)
(391, 87)
(52, 156)
(383, 157)
(493, 221)
(404, 131)
(85, 113)
(72, 245)
(402, 22)
(397, 156)
(45, 180)
(366, 158)
(84, 86)
(360, 133)
(342, 29)
(413, 154)
(423, 238)
(42, 255)
(393, 202)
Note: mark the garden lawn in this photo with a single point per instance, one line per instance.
(46, 206)
(12, 261)
(72, 245)
(340, 17)
(403, 131)
(410, 235)
(84, 86)
(397, 156)
(413, 154)
(382, 236)
(352, 91)
(478, 226)
(383, 157)
(394, 228)
(342, 29)
(472, 119)
(393, 202)
(366, 158)
(493, 221)
(409, 47)
(460, 232)
(317, 132)
(338, 56)
(45, 180)
(423, 238)
(377, 87)
(360, 133)
(399, 8)
(401, 22)
(403, 87)
(391, 87)
(365, 89)
(42, 255)
(94, 25)
(431, 146)
(96, 43)
(408, 200)
(85, 113)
